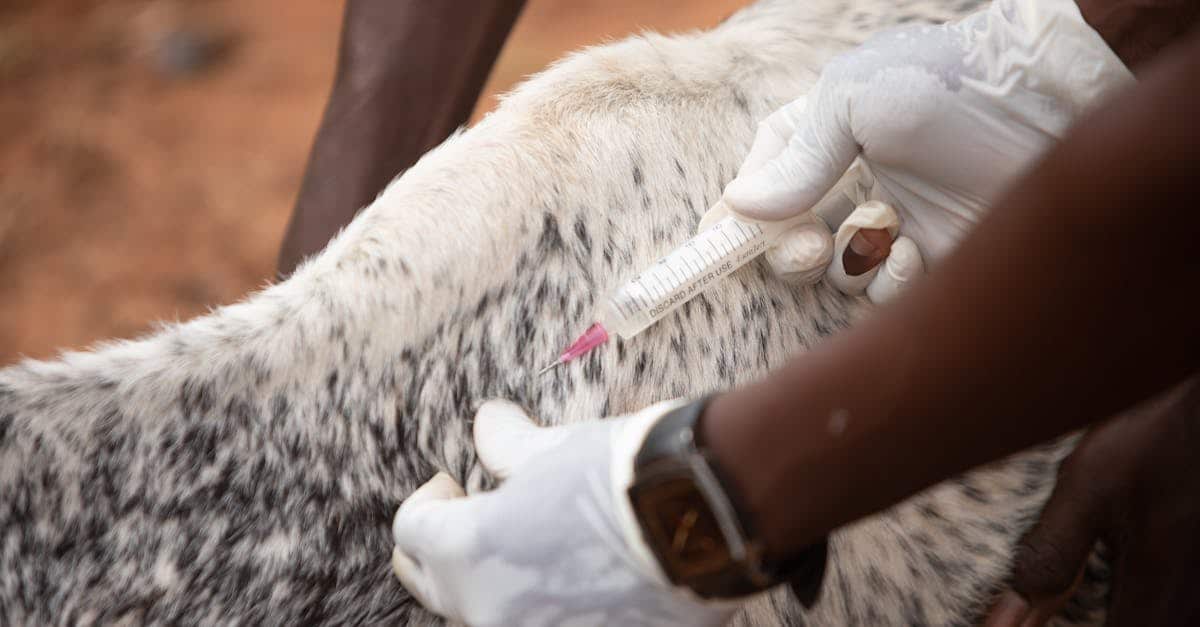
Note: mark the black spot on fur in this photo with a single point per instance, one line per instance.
(677, 347)
(585, 239)
(482, 306)
(279, 408)
(914, 612)
(331, 382)
(239, 412)
(971, 491)
(551, 239)
(723, 367)
(196, 397)
(876, 581)
(637, 176)
(5, 421)
(739, 99)
(930, 512)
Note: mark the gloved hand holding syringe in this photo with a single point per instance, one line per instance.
(725, 243)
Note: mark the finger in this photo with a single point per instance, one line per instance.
(714, 215)
(419, 525)
(423, 509)
(867, 249)
(773, 135)
(902, 267)
(802, 254)
(1050, 558)
(506, 438)
(816, 156)
(869, 229)
(412, 578)
(852, 190)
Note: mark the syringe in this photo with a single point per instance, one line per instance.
(674, 280)
(711, 255)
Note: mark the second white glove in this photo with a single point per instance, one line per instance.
(557, 543)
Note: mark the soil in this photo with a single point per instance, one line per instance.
(150, 151)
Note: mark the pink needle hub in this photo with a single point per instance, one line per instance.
(593, 337)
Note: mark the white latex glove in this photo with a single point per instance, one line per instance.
(557, 543)
(943, 117)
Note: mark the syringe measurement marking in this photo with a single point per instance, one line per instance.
(649, 290)
(640, 297)
(678, 281)
(626, 304)
(682, 269)
(664, 281)
(643, 295)
(636, 296)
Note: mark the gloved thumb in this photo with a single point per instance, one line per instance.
(801, 254)
(819, 151)
(420, 525)
(506, 437)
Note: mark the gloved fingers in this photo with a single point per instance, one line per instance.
(424, 512)
(420, 527)
(413, 578)
(817, 154)
(506, 437)
(902, 266)
(869, 216)
(773, 135)
(802, 254)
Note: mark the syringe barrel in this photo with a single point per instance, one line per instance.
(714, 254)
(684, 273)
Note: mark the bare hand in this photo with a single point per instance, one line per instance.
(1134, 484)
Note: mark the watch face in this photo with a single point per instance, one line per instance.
(680, 528)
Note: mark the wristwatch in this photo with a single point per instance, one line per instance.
(694, 526)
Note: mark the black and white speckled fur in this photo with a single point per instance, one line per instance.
(245, 466)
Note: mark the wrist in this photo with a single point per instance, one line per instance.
(694, 524)
(746, 465)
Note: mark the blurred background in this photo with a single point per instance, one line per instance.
(150, 151)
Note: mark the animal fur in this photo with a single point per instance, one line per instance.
(245, 466)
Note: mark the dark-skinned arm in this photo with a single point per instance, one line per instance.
(1069, 302)
(408, 74)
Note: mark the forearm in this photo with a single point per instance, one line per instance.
(408, 74)
(1068, 302)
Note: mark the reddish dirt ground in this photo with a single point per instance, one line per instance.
(130, 195)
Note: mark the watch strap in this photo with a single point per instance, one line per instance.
(671, 449)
